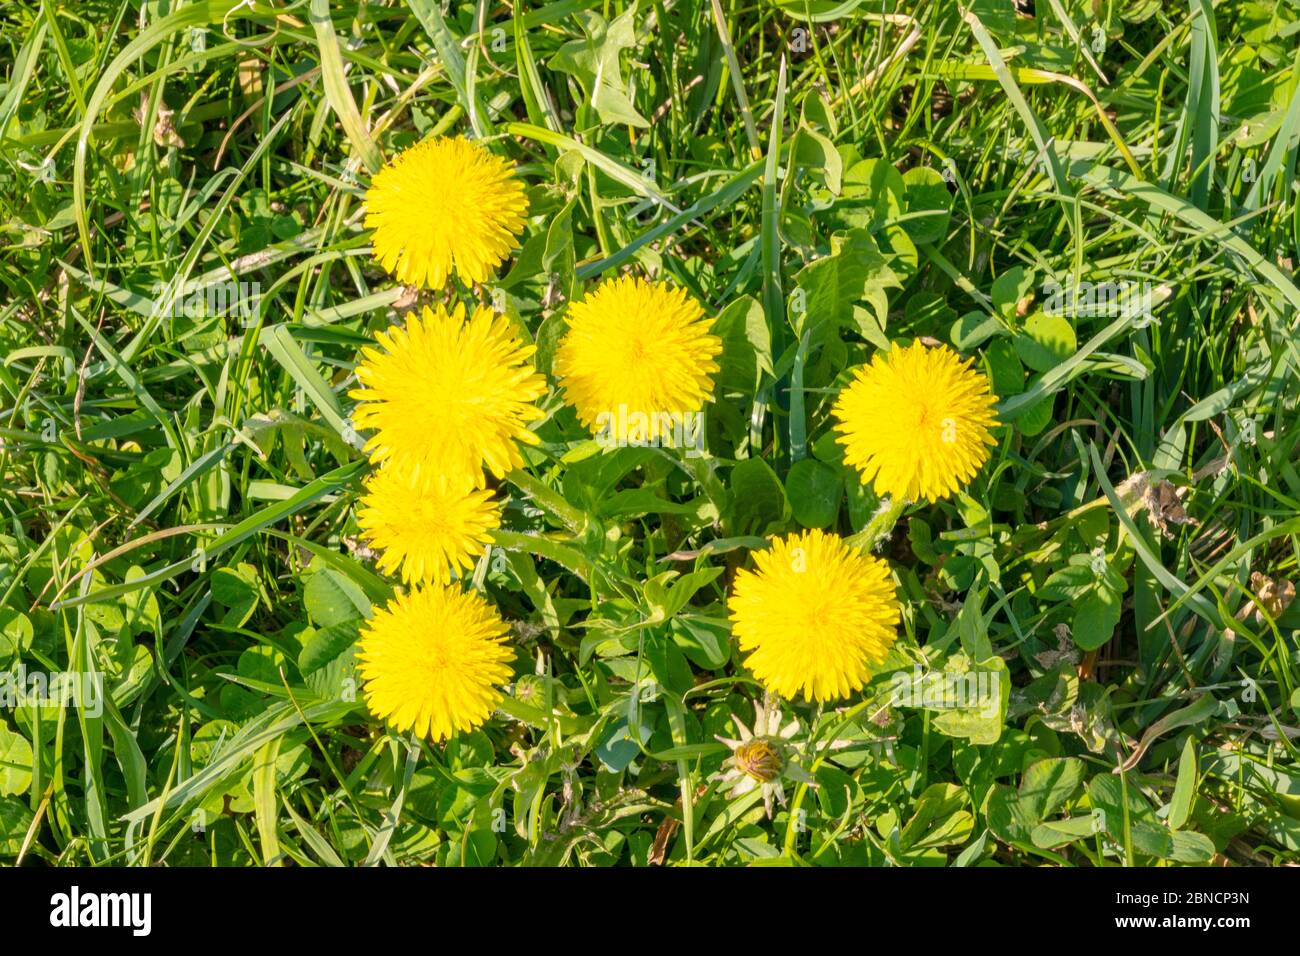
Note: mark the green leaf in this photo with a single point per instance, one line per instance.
(279, 342)
(236, 590)
(873, 194)
(669, 665)
(1055, 833)
(1046, 342)
(15, 820)
(594, 60)
(429, 13)
(1035, 417)
(972, 330)
(704, 640)
(815, 153)
(264, 802)
(1180, 805)
(15, 633)
(335, 83)
(1005, 370)
(327, 644)
(1187, 846)
(758, 498)
(1202, 708)
(814, 491)
(1010, 287)
(1048, 784)
(983, 692)
(558, 255)
(667, 599)
(1009, 819)
(1106, 793)
(1096, 617)
(928, 195)
(939, 819)
(15, 763)
(617, 748)
(1069, 583)
(332, 598)
(746, 345)
(832, 285)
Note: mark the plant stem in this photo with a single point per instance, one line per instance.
(880, 526)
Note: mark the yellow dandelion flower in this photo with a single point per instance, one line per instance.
(433, 661)
(816, 616)
(445, 204)
(429, 530)
(447, 397)
(637, 357)
(915, 422)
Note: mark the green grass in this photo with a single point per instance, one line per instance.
(179, 489)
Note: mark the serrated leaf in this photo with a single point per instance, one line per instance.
(594, 60)
(832, 285)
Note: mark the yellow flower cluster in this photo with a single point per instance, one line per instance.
(451, 398)
(448, 399)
